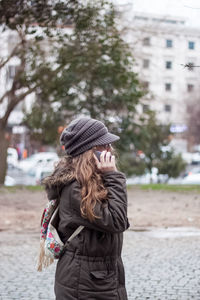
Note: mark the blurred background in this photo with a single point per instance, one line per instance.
(132, 64)
(135, 65)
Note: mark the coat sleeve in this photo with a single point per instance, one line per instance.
(112, 215)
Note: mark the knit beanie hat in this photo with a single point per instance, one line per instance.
(84, 133)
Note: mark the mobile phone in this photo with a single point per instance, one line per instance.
(98, 153)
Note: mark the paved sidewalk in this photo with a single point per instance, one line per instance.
(158, 266)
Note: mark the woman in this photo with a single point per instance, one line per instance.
(93, 194)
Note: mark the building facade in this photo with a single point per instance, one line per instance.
(167, 60)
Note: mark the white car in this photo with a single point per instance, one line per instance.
(36, 175)
(9, 181)
(145, 178)
(193, 177)
(40, 159)
(12, 157)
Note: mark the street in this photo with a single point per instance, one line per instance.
(157, 265)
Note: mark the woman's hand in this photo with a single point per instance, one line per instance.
(106, 163)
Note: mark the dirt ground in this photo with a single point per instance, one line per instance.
(148, 208)
(22, 209)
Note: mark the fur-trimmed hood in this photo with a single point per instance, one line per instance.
(54, 185)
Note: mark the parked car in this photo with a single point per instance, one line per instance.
(192, 177)
(12, 157)
(36, 175)
(145, 178)
(40, 159)
(9, 181)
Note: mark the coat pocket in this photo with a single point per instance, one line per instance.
(96, 277)
(102, 274)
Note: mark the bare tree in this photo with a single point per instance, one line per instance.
(30, 22)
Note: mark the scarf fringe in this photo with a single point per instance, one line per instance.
(43, 260)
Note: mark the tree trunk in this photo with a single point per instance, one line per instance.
(3, 155)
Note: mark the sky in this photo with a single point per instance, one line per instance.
(189, 9)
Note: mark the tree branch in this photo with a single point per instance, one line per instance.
(14, 51)
(6, 94)
(13, 103)
(15, 81)
(17, 99)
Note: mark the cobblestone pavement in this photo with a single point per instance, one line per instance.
(157, 267)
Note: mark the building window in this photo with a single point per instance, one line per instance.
(168, 64)
(145, 107)
(146, 41)
(191, 45)
(145, 85)
(11, 72)
(145, 63)
(168, 108)
(190, 87)
(168, 87)
(169, 44)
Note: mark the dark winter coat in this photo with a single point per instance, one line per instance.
(91, 268)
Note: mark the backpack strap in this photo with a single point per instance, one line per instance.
(75, 233)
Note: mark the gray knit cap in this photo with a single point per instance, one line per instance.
(84, 133)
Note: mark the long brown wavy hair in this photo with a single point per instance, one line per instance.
(82, 168)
